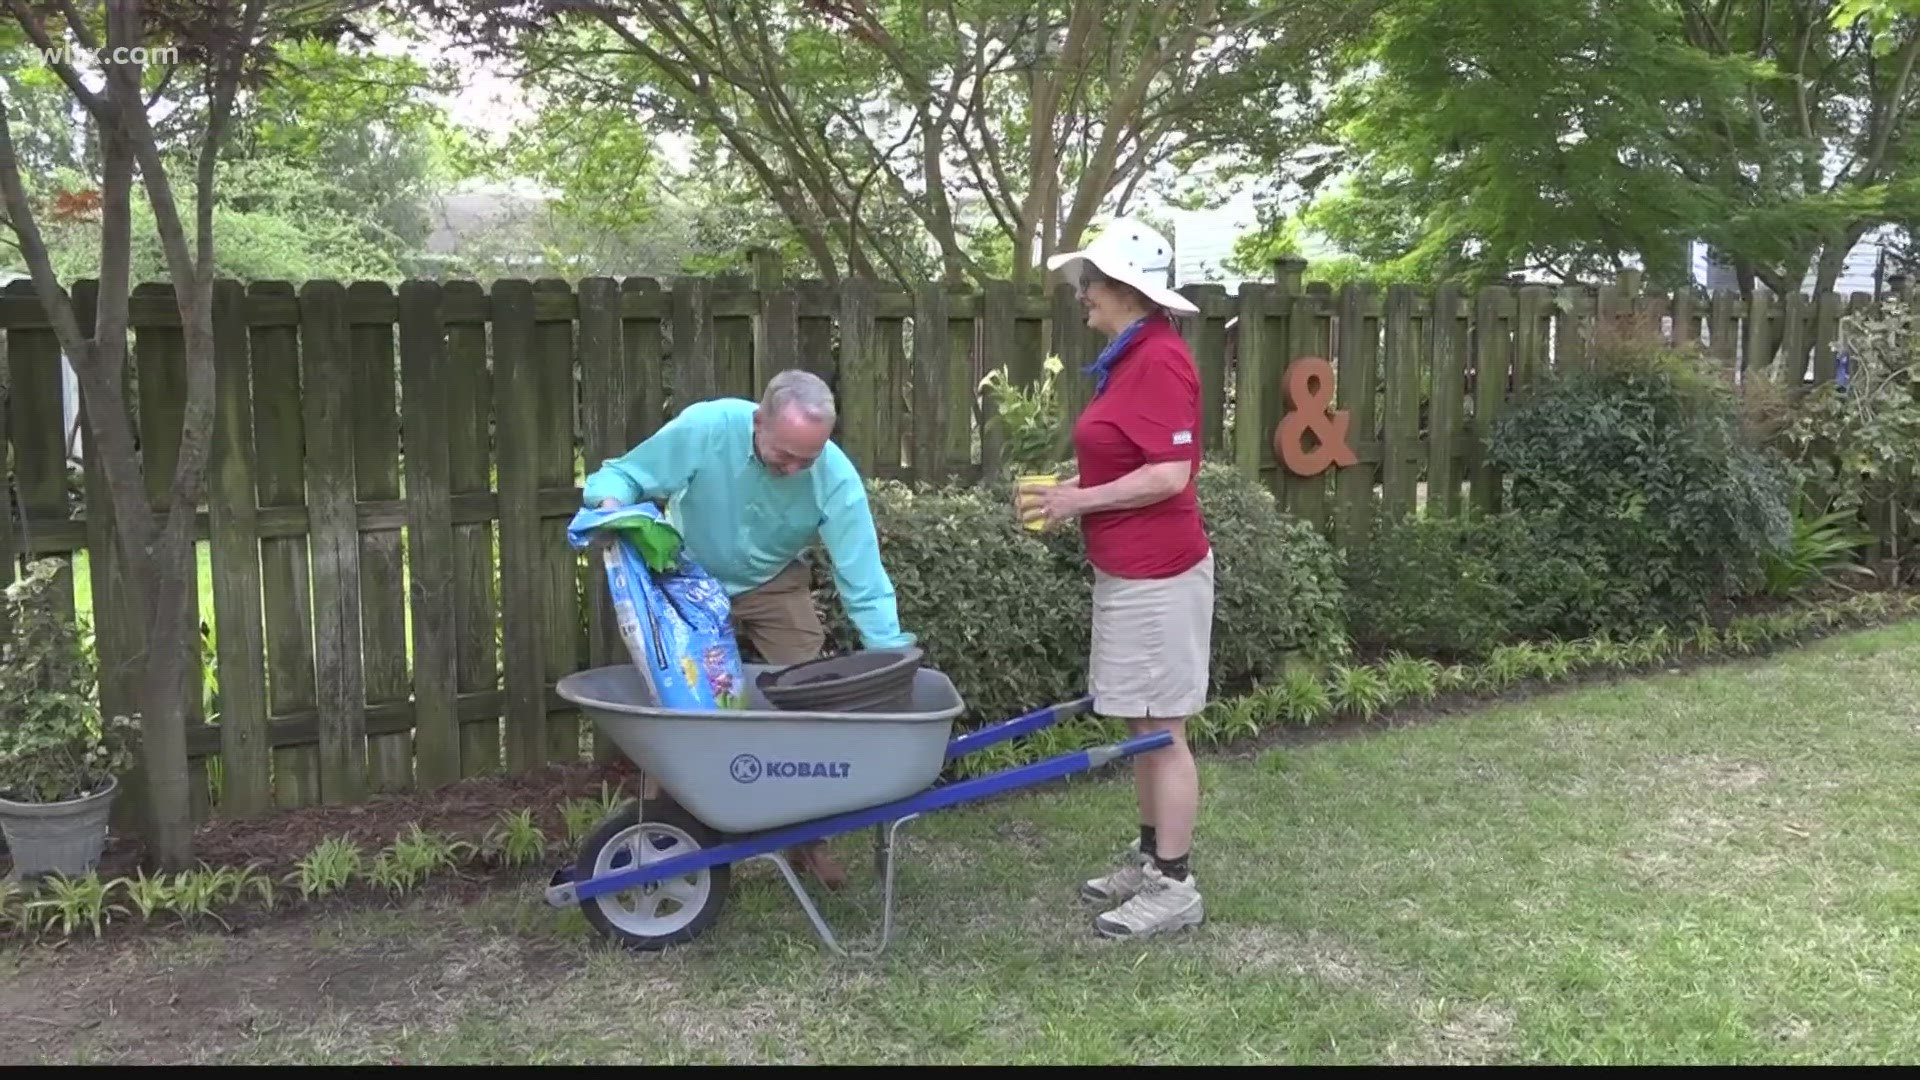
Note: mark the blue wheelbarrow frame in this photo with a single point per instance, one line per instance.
(565, 890)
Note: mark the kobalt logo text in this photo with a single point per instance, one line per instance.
(746, 768)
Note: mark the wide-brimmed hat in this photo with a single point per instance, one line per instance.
(1132, 254)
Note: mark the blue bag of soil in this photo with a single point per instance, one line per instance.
(675, 617)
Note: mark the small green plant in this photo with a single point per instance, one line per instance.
(13, 906)
(1823, 546)
(1738, 639)
(1358, 689)
(516, 840)
(1705, 638)
(1241, 718)
(236, 882)
(581, 815)
(75, 902)
(196, 895)
(1203, 727)
(1028, 420)
(1453, 678)
(1411, 679)
(1651, 648)
(328, 868)
(390, 873)
(1558, 660)
(148, 894)
(1304, 699)
(423, 853)
(1506, 666)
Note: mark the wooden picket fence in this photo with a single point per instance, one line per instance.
(392, 471)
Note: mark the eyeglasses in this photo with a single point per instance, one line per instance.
(1089, 277)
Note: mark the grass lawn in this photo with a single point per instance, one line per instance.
(1716, 866)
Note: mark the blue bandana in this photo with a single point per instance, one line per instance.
(1102, 366)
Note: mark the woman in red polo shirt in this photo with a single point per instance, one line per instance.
(1138, 448)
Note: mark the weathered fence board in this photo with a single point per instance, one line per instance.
(339, 669)
(430, 549)
(516, 372)
(383, 589)
(392, 471)
(245, 751)
(476, 625)
(279, 433)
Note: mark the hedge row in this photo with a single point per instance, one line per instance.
(1636, 496)
(1006, 613)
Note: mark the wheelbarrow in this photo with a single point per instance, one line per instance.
(752, 783)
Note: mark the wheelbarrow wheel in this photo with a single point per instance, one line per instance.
(665, 913)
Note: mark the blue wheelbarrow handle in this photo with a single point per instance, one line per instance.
(981, 738)
(940, 797)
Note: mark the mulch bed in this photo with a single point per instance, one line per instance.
(466, 810)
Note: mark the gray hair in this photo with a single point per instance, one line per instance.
(799, 390)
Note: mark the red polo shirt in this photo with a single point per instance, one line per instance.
(1149, 412)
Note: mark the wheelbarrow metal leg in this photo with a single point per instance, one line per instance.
(886, 838)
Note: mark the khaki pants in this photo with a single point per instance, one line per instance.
(777, 619)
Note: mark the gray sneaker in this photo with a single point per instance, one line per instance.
(1123, 883)
(1161, 905)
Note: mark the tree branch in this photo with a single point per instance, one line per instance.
(37, 33)
(1882, 125)
(224, 79)
(81, 31)
(33, 246)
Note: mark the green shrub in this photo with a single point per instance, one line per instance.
(54, 742)
(1006, 613)
(1855, 447)
(1461, 586)
(1645, 462)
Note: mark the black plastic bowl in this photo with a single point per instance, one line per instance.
(875, 680)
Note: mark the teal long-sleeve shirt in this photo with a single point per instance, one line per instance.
(744, 523)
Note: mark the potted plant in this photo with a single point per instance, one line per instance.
(60, 760)
(1029, 423)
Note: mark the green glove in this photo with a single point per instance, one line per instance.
(657, 542)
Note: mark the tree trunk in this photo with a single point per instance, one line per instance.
(163, 718)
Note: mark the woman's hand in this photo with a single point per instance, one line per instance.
(1052, 503)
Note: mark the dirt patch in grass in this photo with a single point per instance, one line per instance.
(1449, 1032)
(173, 998)
(1709, 772)
(1316, 956)
(1476, 1034)
(180, 1005)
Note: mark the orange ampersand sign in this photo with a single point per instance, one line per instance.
(1310, 400)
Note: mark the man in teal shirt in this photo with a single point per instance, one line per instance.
(749, 487)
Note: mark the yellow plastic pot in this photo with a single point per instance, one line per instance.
(1034, 480)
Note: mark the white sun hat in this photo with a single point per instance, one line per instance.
(1130, 253)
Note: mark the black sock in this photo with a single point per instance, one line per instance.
(1176, 868)
(1147, 841)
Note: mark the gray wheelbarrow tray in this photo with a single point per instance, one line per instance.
(752, 783)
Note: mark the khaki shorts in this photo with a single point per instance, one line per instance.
(778, 620)
(1152, 644)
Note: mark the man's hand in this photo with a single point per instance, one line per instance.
(609, 504)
